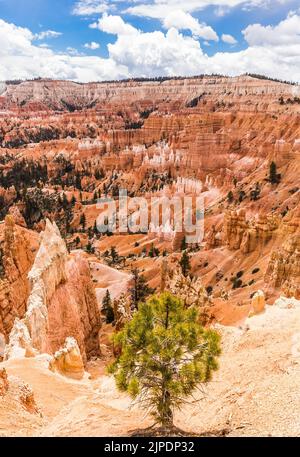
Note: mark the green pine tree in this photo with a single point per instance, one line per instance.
(83, 221)
(183, 244)
(185, 264)
(230, 197)
(90, 248)
(95, 229)
(164, 355)
(114, 255)
(140, 290)
(107, 308)
(274, 178)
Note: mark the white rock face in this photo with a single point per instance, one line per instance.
(19, 341)
(48, 271)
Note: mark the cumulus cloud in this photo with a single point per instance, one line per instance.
(20, 58)
(229, 39)
(286, 32)
(157, 53)
(114, 25)
(185, 21)
(136, 53)
(93, 45)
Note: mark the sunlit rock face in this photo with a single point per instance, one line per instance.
(283, 271)
(61, 302)
(18, 248)
(68, 361)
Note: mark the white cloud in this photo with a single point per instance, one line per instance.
(114, 25)
(89, 7)
(93, 45)
(286, 32)
(47, 34)
(157, 53)
(159, 9)
(20, 58)
(184, 21)
(135, 53)
(228, 39)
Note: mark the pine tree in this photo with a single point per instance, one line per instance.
(139, 290)
(2, 269)
(65, 202)
(78, 182)
(95, 229)
(230, 197)
(83, 221)
(274, 177)
(183, 244)
(107, 308)
(185, 264)
(89, 248)
(164, 355)
(153, 251)
(114, 255)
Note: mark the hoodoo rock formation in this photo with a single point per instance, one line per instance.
(61, 303)
(17, 248)
(283, 271)
(68, 360)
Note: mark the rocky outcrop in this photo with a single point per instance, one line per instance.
(240, 233)
(170, 93)
(27, 400)
(258, 303)
(3, 382)
(68, 361)
(47, 273)
(20, 343)
(73, 309)
(283, 271)
(122, 311)
(189, 289)
(61, 303)
(17, 247)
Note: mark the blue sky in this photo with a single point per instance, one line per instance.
(92, 39)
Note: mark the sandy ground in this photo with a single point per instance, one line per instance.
(107, 278)
(254, 393)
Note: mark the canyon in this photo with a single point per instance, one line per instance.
(234, 143)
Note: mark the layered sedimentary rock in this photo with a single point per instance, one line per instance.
(17, 255)
(73, 310)
(61, 303)
(47, 274)
(54, 95)
(283, 271)
(247, 235)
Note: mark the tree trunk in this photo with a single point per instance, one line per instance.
(167, 413)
